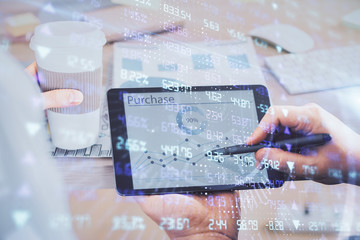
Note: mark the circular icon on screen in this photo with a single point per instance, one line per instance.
(191, 120)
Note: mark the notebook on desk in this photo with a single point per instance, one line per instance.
(195, 64)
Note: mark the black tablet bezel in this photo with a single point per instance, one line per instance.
(121, 158)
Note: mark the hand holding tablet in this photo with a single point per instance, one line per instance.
(170, 147)
(163, 139)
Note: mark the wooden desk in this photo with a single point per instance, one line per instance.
(320, 19)
(323, 24)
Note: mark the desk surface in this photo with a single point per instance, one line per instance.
(323, 24)
(320, 19)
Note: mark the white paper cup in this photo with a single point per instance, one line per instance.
(69, 56)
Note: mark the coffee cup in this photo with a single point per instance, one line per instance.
(69, 56)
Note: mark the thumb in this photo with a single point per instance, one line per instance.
(284, 161)
(62, 98)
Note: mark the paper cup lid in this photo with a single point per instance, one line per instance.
(67, 34)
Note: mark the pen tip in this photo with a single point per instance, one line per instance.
(327, 137)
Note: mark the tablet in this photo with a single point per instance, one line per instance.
(162, 138)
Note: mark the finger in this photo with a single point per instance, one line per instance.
(150, 205)
(290, 116)
(288, 162)
(62, 98)
(32, 69)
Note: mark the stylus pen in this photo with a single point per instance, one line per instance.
(291, 145)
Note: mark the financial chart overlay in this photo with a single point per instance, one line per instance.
(167, 63)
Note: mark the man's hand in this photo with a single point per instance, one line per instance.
(212, 216)
(60, 97)
(331, 163)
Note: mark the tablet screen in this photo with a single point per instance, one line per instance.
(170, 136)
